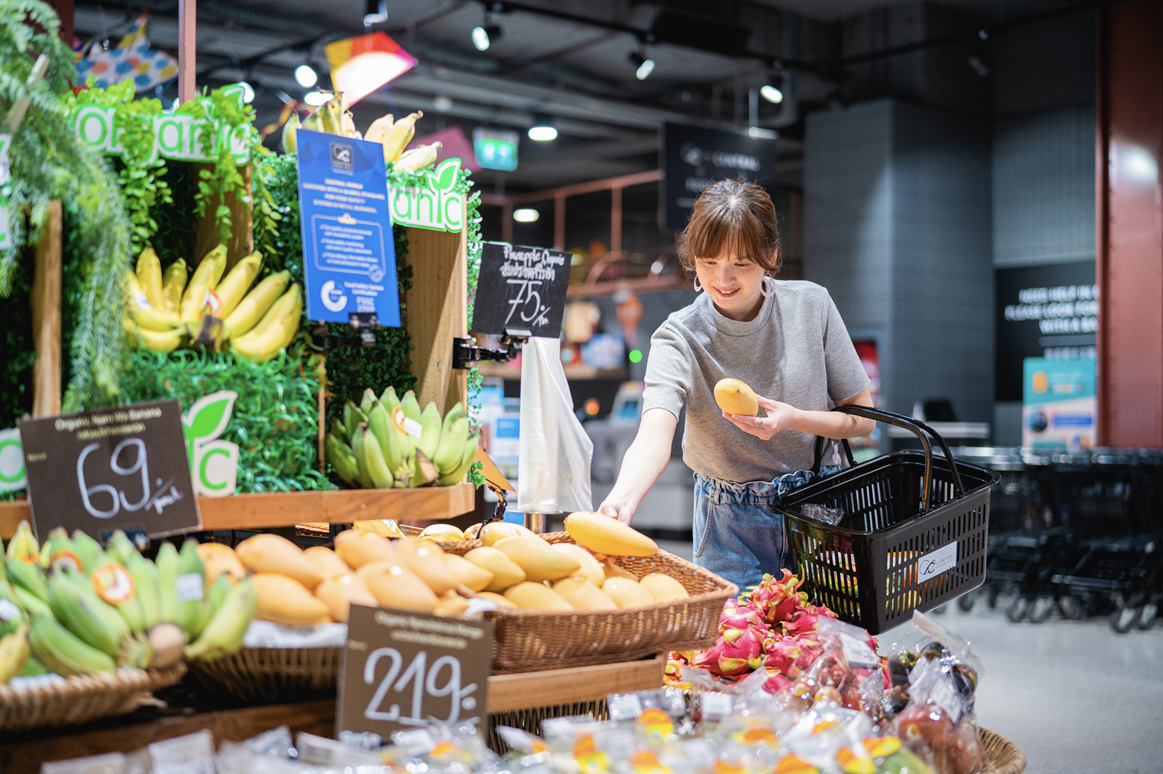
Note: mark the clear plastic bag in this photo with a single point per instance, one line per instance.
(556, 452)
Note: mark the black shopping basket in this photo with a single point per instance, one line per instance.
(899, 533)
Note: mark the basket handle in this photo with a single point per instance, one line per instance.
(908, 423)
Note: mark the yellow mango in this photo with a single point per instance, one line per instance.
(539, 561)
(327, 561)
(340, 591)
(735, 397)
(275, 554)
(284, 600)
(358, 548)
(663, 588)
(442, 533)
(383, 527)
(450, 605)
(615, 570)
(501, 600)
(219, 559)
(536, 596)
(591, 568)
(497, 530)
(397, 587)
(466, 573)
(627, 593)
(604, 534)
(505, 571)
(583, 595)
(426, 559)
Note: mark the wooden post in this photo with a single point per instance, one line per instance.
(46, 318)
(187, 47)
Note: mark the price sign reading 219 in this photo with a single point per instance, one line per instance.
(403, 670)
(119, 468)
(521, 289)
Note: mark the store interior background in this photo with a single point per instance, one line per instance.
(903, 183)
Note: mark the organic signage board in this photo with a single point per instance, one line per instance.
(400, 670)
(349, 254)
(107, 469)
(434, 205)
(521, 289)
(694, 158)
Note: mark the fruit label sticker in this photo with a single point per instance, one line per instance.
(12, 478)
(402, 670)
(521, 289)
(213, 462)
(118, 468)
(349, 253)
(435, 205)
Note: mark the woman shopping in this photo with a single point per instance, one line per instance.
(783, 338)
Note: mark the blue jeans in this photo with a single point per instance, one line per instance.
(738, 535)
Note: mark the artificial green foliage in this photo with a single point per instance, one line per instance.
(49, 162)
(16, 349)
(475, 245)
(275, 419)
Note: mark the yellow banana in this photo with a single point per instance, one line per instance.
(379, 129)
(274, 312)
(144, 313)
(419, 158)
(234, 285)
(400, 135)
(149, 274)
(291, 133)
(158, 341)
(205, 279)
(349, 129)
(173, 283)
(265, 344)
(257, 303)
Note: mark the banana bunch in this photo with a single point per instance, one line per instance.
(420, 157)
(165, 310)
(329, 118)
(386, 442)
(395, 136)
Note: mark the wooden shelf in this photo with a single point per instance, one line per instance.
(23, 755)
(286, 509)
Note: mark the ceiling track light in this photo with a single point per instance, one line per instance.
(542, 129)
(485, 35)
(375, 12)
(643, 65)
(772, 91)
(306, 76)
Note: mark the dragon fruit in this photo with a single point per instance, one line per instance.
(790, 656)
(736, 652)
(778, 599)
(741, 614)
(776, 683)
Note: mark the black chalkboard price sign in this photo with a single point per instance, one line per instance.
(119, 468)
(521, 290)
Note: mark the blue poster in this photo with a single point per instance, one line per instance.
(349, 255)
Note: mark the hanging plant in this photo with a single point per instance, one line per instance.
(48, 162)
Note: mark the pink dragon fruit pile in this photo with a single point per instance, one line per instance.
(771, 626)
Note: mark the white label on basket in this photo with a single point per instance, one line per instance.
(936, 562)
(716, 705)
(944, 695)
(189, 587)
(8, 611)
(858, 653)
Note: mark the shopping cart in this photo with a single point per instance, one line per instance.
(899, 533)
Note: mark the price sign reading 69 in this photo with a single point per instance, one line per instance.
(402, 670)
(521, 288)
(120, 468)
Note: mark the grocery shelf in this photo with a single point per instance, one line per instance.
(286, 509)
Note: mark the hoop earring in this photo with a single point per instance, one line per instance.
(767, 286)
(698, 287)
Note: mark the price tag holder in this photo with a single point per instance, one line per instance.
(521, 288)
(401, 670)
(119, 468)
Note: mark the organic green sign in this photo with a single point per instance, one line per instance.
(213, 462)
(437, 205)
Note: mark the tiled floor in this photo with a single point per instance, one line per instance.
(1075, 697)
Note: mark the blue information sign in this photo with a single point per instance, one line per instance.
(349, 255)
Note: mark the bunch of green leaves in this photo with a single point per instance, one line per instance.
(274, 421)
(475, 246)
(49, 162)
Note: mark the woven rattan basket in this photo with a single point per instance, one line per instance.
(81, 699)
(272, 674)
(535, 640)
(1001, 755)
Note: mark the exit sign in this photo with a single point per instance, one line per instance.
(495, 149)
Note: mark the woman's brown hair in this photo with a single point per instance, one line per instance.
(736, 216)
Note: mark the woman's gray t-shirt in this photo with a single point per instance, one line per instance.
(796, 351)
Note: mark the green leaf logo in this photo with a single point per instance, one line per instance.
(209, 415)
(445, 174)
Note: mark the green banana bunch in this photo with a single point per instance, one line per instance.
(224, 633)
(11, 613)
(352, 416)
(32, 667)
(88, 551)
(14, 652)
(423, 471)
(120, 547)
(367, 401)
(62, 651)
(430, 424)
(218, 593)
(357, 446)
(373, 459)
(391, 445)
(466, 461)
(167, 563)
(145, 584)
(453, 436)
(120, 591)
(342, 458)
(193, 604)
(59, 547)
(29, 578)
(340, 432)
(28, 603)
(256, 304)
(78, 607)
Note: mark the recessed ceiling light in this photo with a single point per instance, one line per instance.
(306, 76)
(771, 93)
(542, 133)
(526, 215)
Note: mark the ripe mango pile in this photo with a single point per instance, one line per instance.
(515, 568)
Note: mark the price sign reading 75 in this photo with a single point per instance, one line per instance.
(521, 289)
(528, 300)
